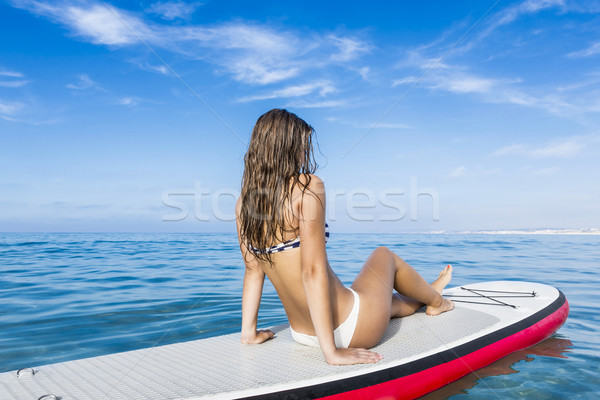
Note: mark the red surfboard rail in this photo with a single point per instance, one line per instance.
(422, 382)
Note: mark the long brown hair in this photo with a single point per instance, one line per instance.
(280, 151)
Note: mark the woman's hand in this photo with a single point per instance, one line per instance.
(352, 356)
(260, 336)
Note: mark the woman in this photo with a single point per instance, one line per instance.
(282, 232)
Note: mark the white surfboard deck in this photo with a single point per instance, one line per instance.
(223, 368)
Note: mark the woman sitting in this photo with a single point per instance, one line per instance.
(282, 232)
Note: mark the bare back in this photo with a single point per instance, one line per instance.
(286, 271)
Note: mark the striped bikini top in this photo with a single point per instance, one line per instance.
(288, 244)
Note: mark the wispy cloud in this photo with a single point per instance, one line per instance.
(84, 82)
(323, 88)
(128, 101)
(590, 79)
(384, 125)
(12, 83)
(171, 10)
(456, 73)
(457, 79)
(157, 68)
(12, 74)
(461, 82)
(364, 72)
(92, 21)
(513, 12)
(28, 110)
(254, 69)
(592, 50)
(381, 125)
(405, 81)
(559, 149)
(508, 15)
(10, 108)
(349, 48)
(250, 52)
(320, 104)
(566, 100)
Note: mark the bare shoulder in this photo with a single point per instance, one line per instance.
(310, 200)
(313, 183)
(311, 189)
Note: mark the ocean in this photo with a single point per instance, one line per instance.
(67, 296)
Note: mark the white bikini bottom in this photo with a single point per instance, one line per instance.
(342, 334)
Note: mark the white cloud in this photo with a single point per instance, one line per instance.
(250, 52)
(84, 82)
(592, 79)
(562, 149)
(349, 48)
(463, 83)
(364, 72)
(13, 84)
(171, 10)
(128, 101)
(381, 125)
(11, 74)
(9, 108)
(158, 68)
(16, 111)
(592, 50)
(98, 23)
(391, 126)
(132, 101)
(404, 81)
(250, 37)
(323, 87)
(318, 104)
(107, 25)
(563, 101)
(510, 14)
(441, 74)
(257, 70)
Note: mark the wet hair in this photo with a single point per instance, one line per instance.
(279, 153)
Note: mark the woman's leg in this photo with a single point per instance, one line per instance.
(383, 272)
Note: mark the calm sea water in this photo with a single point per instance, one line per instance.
(69, 296)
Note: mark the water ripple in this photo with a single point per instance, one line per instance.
(68, 296)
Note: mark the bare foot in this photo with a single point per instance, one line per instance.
(446, 305)
(443, 279)
(439, 284)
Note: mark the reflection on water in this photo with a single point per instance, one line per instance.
(551, 347)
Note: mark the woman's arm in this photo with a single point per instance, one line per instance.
(253, 284)
(254, 279)
(315, 277)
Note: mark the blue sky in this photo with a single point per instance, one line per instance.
(135, 116)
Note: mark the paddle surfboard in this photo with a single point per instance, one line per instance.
(421, 353)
